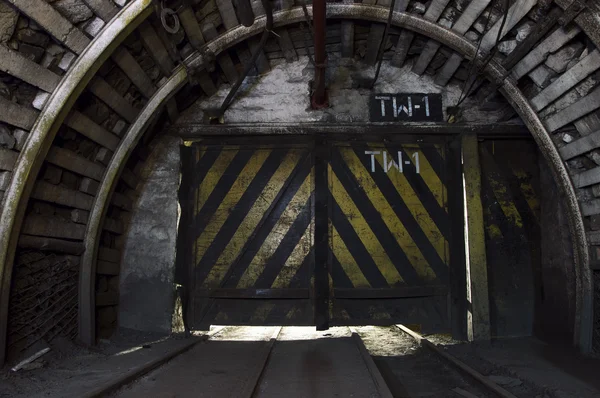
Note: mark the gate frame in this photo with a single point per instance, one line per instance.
(320, 135)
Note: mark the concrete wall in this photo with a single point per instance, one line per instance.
(283, 95)
(148, 263)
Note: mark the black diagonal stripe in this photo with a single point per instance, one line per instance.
(340, 279)
(373, 218)
(275, 263)
(298, 175)
(500, 166)
(509, 230)
(204, 165)
(252, 193)
(355, 247)
(403, 213)
(434, 158)
(302, 276)
(437, 213)
(222, 188)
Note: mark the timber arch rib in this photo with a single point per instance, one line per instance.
(155, 89)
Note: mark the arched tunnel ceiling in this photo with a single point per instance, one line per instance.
(51, 47)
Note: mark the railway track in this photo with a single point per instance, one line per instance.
(299, 362)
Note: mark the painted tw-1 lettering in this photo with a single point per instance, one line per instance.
(397, 163)
(406, 107)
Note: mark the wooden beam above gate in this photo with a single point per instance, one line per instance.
(194, 131)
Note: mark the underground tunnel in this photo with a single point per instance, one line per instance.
(255, 198)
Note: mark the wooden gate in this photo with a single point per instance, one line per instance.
(248, 231)
(321, 233)
(389, 234)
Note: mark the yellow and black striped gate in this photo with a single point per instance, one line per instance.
(389, 234)
(322, 232)
(248, 235)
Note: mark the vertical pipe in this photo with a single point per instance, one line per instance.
(319, 99)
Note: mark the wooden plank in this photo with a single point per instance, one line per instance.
(552, 43)
(580, 146)
(107, 94)
(230, 21)
(233, 293)
(191, 27)
(588, 124)
(284, 39)
(539, 31)
(587, 178)
(448, 70)
(390, 293)
(321, 235)
(567, 80)
(347, 35)
(375, 37)
(88, 128)
(433, 12)
(134, 71)
(57, 194)
(429, 51)
(50, 244)
(114, 226)
(465, 21)
(77, 164)
(79, 216)
(469, 16)
(129, 178)
(223, 59)
(108, 254)
(590, 208)
(587, 104)
(52, 227)
(262, 63)
(17, 65)
(17, 115)
(105, 9)
(516, 12)
(155, 48)
(54, 23)
(105, 299)
(107, 268)
(478, 327)
(89, 186)
(8, 159)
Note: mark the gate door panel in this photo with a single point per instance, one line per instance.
(389, 234)
(251, 236)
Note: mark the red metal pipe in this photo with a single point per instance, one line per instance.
(319, 99)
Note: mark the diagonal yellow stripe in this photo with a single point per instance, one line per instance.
(344, 257)
(229, 202)
(432, 180)
(280, 229)
(528, 192)
(396, 227)
(294, 261)
(213, 176)
(363, 230)
(418, 210)
(251, 220)
(505, 200)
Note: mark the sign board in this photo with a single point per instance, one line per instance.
(406, 108)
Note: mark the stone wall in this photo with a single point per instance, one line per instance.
(147, 293)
